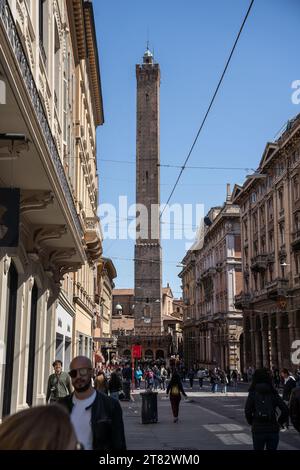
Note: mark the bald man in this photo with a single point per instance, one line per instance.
(97, 418)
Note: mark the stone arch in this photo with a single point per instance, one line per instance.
(127, 353)
(149, 354)
(159, 354)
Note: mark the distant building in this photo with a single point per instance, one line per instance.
(269, 202)
(211, 278)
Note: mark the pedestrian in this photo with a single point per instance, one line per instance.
(59, 383)
(138, 374)
(175, 389)
(200, 376)
(223, 381)
(234, 378)
(163, 377)
(289, 384)
(97, 418)
(101, 382)
(115, 385)
(38, 428)
(191, 375)
(127, 377)
(294, 407)
(261, 411)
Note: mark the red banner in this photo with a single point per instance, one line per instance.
(136, 351)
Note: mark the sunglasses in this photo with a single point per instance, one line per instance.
(82, 372)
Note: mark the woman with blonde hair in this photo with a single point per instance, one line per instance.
(39, 428)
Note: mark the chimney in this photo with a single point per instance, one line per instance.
(228, 195)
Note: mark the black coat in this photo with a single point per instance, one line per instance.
(295, 408)
(274, 424)
(287, 388)
(107, 422)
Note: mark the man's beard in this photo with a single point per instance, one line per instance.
(83, 388)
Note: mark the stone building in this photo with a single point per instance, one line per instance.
(190, 330)
(123, 326)
(50, 105)
(211, 278)
(104, 345)
(269, 202)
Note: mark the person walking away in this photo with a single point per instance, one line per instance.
(127, 376)
(200, 377)
(175, 389)
(138, 374)
(261, 411)
(294, 407)
(100, 383)
(97, 418)
(234, 379)
(163, 377)
(191, 375)
(114, 385)
(59, 383)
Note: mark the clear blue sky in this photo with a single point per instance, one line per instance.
(191, 42)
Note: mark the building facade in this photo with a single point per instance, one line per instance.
(211, 278)
(218, 279)
(270, 213)
(123, 326)
(44, 62)
(104, 344)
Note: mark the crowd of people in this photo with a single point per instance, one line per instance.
(85, 412)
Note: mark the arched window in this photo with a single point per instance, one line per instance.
(127, 354)
(149, 354)
(160, 354)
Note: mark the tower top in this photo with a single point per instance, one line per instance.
(148, 56)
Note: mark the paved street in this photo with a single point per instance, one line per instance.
(206, 421)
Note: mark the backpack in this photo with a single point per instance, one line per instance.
(264, 409)
(175, 390)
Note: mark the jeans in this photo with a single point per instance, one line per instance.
(114, 395)
(268, 440)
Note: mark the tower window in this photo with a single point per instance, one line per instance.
(147, 97)
(146, 175)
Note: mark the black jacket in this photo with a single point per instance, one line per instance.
(107, 422)
(295, 408)
(274, 424)
(287, 388)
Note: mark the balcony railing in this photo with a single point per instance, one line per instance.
(277, 288)
(242, 301)
(8, 25)
(259, 262)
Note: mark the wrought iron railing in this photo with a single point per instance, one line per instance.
(8, 25)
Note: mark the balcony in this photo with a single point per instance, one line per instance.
(296, 240)
(93, 239)
(242, 301)
(277, 288)
(46, 173)
(209, 272)
(259, 263)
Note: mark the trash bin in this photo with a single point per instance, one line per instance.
(149, 407)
